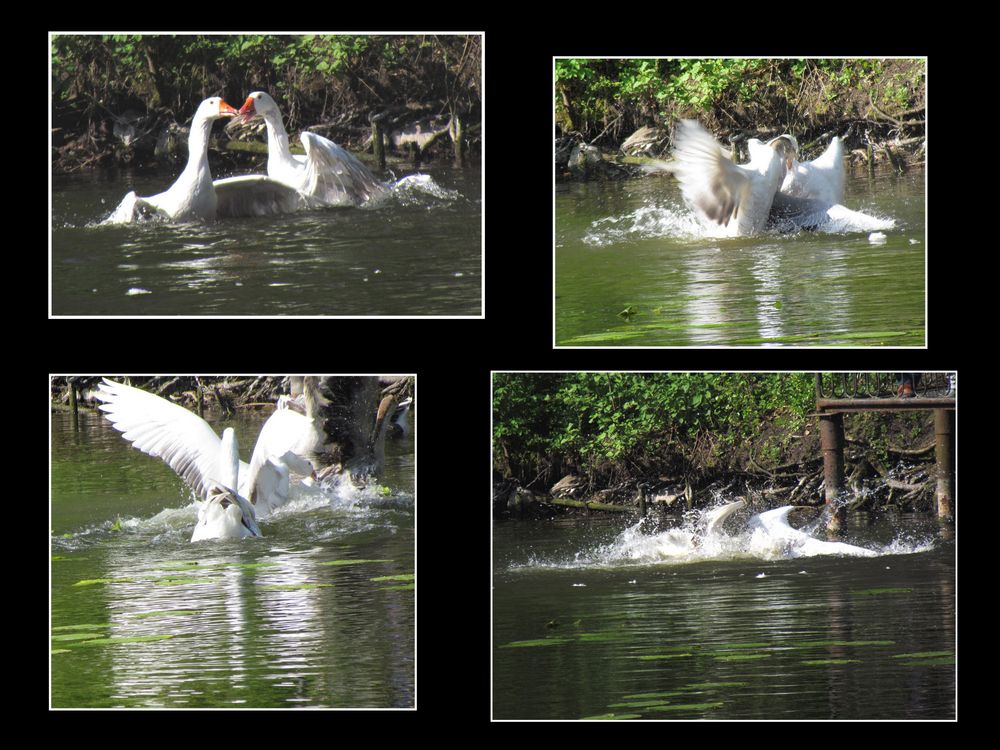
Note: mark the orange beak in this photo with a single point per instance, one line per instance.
(247, 111)
(226, 111)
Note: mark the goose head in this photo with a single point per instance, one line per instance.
(787, 147)
(213, 108)
(225, 515)
(258, 103)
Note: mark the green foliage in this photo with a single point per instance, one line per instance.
(591, 418)
(599, 87)
(95, 73)
(741, 91)
(701, 83)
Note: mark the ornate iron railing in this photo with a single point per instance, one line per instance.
(851, 385)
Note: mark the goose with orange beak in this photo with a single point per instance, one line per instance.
(195, 196)
(327, 175)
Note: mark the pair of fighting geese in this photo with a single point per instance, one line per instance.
(325, 422)
(773, 188)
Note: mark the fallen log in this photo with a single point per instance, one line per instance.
(589, 505)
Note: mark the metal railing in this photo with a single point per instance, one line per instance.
(860, 385)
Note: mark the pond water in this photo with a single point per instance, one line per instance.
(318, 612)
(633, 245)
(581, 630)
(417, 254)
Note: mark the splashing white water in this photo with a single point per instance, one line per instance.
(655, 221)
(723, 533)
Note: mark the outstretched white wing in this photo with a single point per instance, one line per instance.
(334, 175)
(165, 430)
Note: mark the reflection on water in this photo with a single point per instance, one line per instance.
(319, 612)
(634, 243)
(579, 635)
(418, 253)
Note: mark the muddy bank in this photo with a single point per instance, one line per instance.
(215, 392)
(889, 462)
(124, 100)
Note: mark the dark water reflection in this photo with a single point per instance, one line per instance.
(808, 638)
(419, 254)
(280, 621)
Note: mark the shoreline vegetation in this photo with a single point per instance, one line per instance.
(614, 114)
(565, 441)
(123, 100)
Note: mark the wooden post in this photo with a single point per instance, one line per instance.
(378, 140)
(457, 137)
(944, 437)
(74, 417)
(831, 436)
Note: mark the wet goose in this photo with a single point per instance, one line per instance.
(812, 195)
(224, 514)
(194, 195)
(209, 465)
(327, 175)
(342, 423)
(730, 199)
(773, 536)
(821, 179)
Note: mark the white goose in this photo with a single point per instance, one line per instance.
(327, 174)
(812, 194)
(225, 514)
(342, 424)
(730, 199)
(821, 179)
(235, 492)
(195, 196)
(774, 537)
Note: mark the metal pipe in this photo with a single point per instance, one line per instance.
(831, 437)
(883, 404)
(944, 441)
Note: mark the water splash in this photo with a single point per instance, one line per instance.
(646, 222)
(420, 189)
(726, 531)
(654, 221)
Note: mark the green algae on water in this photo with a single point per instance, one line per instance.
(536, 642)
(820, 662)
(686, 706)
(922, 655)
(611, 717)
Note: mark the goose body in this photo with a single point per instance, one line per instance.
(812, 195)
(730, 199)
(327, 175)
(821, 179)
(773, 535)
(195, 196)
(233, 492)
